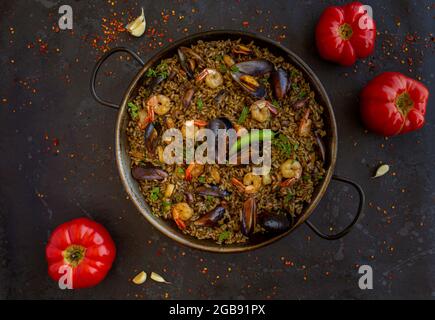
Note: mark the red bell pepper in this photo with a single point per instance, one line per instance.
(392, 103)
(345, 33)
(82, 247)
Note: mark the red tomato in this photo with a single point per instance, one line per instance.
(85, 248)
(346, 33)
(392, 104)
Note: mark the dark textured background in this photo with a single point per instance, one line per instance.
(57, 159)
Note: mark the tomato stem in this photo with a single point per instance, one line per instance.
(345, 31)
(404, 103)
(74, 254)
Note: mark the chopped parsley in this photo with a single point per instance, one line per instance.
(234, 69)
(133, 109)
(166, 204)
(243, 115)
(155, 194)
(222, 68)
(224, 236)
(161, 70)
(283, 144)
(180, 170)
(276, 103)
(199, 104)
(201, 179)
(289, 197)
(151, 73)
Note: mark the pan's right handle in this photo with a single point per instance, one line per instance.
(355, 219)
(97, 68)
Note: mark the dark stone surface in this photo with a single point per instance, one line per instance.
(41, 188)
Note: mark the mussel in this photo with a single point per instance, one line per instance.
(280, 83)
(189, 59)
(148, 173)
(215, 125)
(211, 218)
(187, 98)
(219, 123)
(213, 191)
(255, 68)
(276, 222)
(153, 82)
(321, 147)
(245, 72)
(151, 136)
(249, 216)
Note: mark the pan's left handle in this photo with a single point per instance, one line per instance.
(98, 66)
(355, 219)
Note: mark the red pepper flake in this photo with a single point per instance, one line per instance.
(245, 24)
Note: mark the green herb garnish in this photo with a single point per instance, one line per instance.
(200, 104)
(276, 103)
(133, 109)
(180, 170)
(302, 94)
(288, 198)
(234, 69)
(283, 144)
(166, 204)
(151, 73)
(243, 115)
(222, 68)
(224, 235)
(155, 194)
(201, 179)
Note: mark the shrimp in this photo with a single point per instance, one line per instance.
(213, 78)
(305, 124)
(251, 183)
(261, 110)
(181, 212)
(292, 171)
(160, 104)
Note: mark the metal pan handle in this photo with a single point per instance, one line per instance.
(97, 68)
(355, 219)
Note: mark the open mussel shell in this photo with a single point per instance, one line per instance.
(151, 136)
(280, 83)
(189, 59)
(148, 172)
(211, 218)
(321, 147)
(249, 216)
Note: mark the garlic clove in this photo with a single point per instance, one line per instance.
(137, 27)
(140, 278)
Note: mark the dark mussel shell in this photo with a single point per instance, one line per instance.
(213, 191)
(211, 218)
(276, 223)
(151, 136)
(321, 147)
(153, 82)
(219, 123)
(280, 83)
(254, 88)
(187, 97)
(187, 59)
(148, 173)
(255, 68)
(249, 216)
(214, 125)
